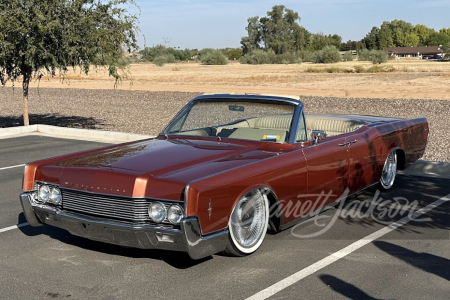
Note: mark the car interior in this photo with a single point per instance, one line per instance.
(275, 128)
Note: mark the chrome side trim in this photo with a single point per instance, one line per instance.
(23, 175)
(186, 192)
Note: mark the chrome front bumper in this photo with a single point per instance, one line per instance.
(188, 238)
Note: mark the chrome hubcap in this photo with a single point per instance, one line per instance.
(248, 220)
(389, 170)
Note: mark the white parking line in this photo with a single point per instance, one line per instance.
(12, 167)
(13, 227)
(288, 281)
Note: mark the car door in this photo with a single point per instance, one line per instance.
(362, 162)
(327, 169)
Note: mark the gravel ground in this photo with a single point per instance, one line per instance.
(147, 112)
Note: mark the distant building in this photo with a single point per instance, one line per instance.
(418, 52)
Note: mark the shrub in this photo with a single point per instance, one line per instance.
(205, 51)
(364, 55)
(348, 56)
(288, 58)
(378, 56)
(329, 54)
(308, 56)
(214, 57)
(160, 60)
(375, 56)
(258, 57)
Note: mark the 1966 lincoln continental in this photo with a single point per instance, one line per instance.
(211, 180)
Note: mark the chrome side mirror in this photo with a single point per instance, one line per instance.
(318, 135)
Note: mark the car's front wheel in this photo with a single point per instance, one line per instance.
(248, 224)
(389, 171)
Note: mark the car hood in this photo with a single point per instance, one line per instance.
(163, 164)
(157, 157)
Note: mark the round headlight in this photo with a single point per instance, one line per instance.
(175, 214)
(44, 193)
(157, 212)
(55, 196)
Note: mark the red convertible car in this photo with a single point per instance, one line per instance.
(215, 176)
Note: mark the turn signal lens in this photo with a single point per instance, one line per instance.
(157, 212)
(175, 214)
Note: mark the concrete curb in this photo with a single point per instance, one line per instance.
(12, 131)
(72, 133)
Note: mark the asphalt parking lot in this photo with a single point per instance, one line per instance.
(354, 258)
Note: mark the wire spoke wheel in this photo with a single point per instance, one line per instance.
(389, 171)
(248, 224)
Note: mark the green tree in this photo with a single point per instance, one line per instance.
(278, 31)
(385, 39)
(319, 40)
(437, 38)
(349, 45)
(253, 39)
(335, 40)
(447, 50)
(445, 31)
(232, 53)
(399, 31)
(370, 41)
(411, 40)
(45, 37)
(422, 32)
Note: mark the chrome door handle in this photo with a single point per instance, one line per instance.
(343, 144)
(352, 142)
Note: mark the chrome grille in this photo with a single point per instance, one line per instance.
(130, 209)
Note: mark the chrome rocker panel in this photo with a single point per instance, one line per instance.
(187, 239)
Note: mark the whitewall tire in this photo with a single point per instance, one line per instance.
(389, 171)
(248, 224)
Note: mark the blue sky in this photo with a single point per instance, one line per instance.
(220, 24)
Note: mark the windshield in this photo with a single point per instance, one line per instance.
(248, 120)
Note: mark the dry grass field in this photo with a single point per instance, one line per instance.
(158, 93)
(411, 79)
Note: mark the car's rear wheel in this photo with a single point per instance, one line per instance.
(389, 171)
(248, 224)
